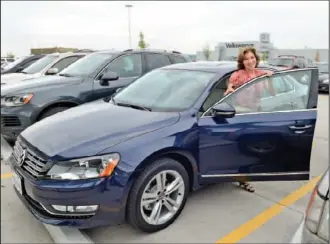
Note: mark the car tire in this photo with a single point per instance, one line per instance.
(136, 214)
(52, 111)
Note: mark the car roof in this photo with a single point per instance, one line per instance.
(68, 54)
(220, 67)
(140, 51)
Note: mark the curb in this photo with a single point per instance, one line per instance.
(58, 234)
(67, 235)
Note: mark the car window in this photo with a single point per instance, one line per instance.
(216, 94)
(177, 59)
(251, 98)
(87, 65)
(157, 60)
(65, 62)
(17, 61)
(39, 65)
(28, 63)
(126, 65)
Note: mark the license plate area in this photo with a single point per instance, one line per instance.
(17, 181)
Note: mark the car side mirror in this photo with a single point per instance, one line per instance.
(108, 76)
(223, 110)
(52, 71)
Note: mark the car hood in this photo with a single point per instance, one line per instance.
(38, 84)
(14, 78)
(91, 128)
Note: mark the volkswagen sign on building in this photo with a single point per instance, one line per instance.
(229, 50)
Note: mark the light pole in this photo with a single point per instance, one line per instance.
(129, 6)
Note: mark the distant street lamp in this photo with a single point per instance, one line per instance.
(129, 6)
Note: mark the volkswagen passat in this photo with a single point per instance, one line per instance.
(137, 155)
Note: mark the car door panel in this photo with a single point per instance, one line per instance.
(270, 145)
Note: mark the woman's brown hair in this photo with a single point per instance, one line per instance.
(241, 54)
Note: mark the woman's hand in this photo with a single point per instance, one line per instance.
(269, 73)
(230, 89)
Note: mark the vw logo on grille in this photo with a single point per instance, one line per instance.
(22, 158)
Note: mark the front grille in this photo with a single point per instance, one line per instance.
(29, 161)
(10, 121)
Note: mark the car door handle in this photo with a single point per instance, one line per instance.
(303, 127)
(300, 129)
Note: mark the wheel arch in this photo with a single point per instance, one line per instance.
(182, 156)
(60, 103)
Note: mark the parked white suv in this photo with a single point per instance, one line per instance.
(51, 64)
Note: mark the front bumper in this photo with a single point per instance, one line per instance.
(39, 196)
(16, 119)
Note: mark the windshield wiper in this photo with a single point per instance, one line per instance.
(23, 72)
(65, 75)
(133, 106)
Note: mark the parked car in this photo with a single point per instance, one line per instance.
(314, 227)
(290, 62)
(20, 64)
(138, 155)
(84, 81)
(5, 60)
(50, 64)
(323, 76)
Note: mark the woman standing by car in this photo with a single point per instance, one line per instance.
(247, 63)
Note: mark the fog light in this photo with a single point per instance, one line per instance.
(76, 209)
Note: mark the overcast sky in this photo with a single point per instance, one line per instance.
(183, 26)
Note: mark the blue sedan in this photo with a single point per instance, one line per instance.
(137, 155)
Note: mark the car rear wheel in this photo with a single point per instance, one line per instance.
(158, 195)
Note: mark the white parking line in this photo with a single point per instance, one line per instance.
(58, 234)
(67, 235)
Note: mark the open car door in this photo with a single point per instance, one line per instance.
(246, 138)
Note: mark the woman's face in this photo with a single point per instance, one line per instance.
(250, 61)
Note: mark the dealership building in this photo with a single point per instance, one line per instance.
(264, 47)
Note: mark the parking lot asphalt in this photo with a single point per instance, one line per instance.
(219, 213)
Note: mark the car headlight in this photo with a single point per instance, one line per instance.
(326, 81)
(16, 100)
(85, 168)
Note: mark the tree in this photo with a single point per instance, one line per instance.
(207, 51)
(10, 55)
(264, 56)
(142, 44)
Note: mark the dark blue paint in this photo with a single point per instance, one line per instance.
(209, 145)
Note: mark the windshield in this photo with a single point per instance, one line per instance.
(323, 68)
(288, 62)
(165, 90)
(40, 64)
(17, 61)
(86, 65)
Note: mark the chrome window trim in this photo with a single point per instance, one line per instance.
(253, 80)
(254, 113)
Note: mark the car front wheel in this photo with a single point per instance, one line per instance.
(158, 195)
